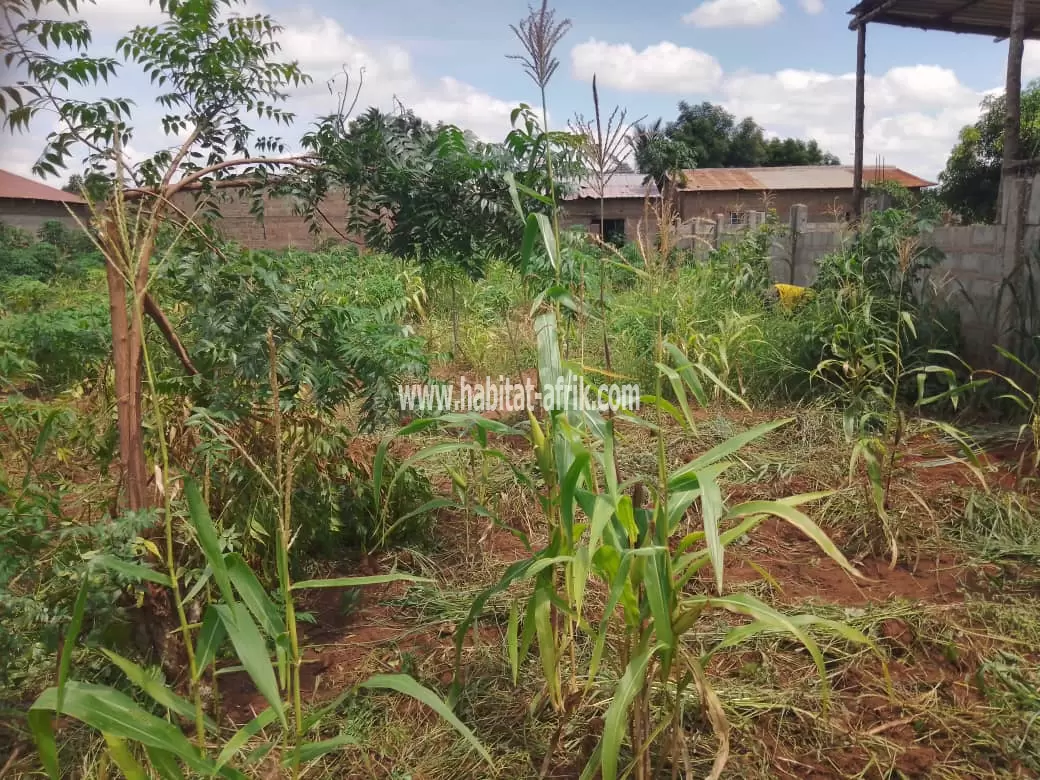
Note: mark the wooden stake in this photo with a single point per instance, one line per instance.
(861, 72)
(1013, 95)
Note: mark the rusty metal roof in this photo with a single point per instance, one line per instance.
(982, 17)
(795, 177)
(874, 174)
(621, 185)
(15, 187)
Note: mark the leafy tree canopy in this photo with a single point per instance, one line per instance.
(431, 192)
(971, 180)
(708, 136)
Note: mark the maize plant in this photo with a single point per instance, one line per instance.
(644, 542)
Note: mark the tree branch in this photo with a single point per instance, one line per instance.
(299, 161)
(160, 319)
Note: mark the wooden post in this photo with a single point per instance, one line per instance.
(857, 168)
(1013, 94)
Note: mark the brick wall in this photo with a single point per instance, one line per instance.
(31, 214)
(582, 212)
(822, 204)
(280, 228)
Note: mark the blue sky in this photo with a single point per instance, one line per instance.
(787, 63)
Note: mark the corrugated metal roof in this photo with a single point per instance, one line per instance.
(874, 173)
(621, 185)
(795, 177)
(983, 17)
(20, 188)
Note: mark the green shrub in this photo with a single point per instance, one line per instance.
(38, 261)
(339, 330)
(66, 344)
(44, 555)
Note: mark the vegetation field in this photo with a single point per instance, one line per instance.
(228, 548)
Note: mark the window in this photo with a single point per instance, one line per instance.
(613, 230)
(737, 218)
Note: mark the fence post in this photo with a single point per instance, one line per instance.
(718, 230)
(799, 218)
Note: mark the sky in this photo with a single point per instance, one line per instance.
(789, 64)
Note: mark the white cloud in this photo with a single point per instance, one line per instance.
(1031, 61)
(119, 16)
(18, 155)
(735, 13)
(812, 7)
(663, 67)
(913, 113)
(324, 49)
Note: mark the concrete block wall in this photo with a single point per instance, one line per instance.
(980, 261)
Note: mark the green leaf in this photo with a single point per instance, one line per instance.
(657, 580)
(124, 759)
(254, 596)
(309, 751)
(65, 660)
(112, 712)
(513, 640)
(357, 582)
(730, 446)
(802, 522)
(252, 652)
(206, 533)
(404, 684)
(135, 572)
(164, 763)
(210, 638)
(616, 720)
(548, 238)
(239, 739)
(41, 725)
(546, 637)
(155, 689)
(680, 394)
(617, 588)
(711, 511)
(745, 604)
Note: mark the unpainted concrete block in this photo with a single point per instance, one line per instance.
(984, 236)
(982, 289)
(799, 217)
(1033, 210)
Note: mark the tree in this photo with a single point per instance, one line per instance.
(414, 190)
(212, 69)
(970, 183)
(708, 136)
(657, 155)
(93, 185)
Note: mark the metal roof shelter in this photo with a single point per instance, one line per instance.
(1015, 20)
(619, 185)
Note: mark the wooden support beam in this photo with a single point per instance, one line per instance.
(946, 17)
(996, 31)
(1013, 93)
(872, 14)
(861, 75)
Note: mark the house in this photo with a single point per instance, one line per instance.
(27, 204)
(825, 189)
(629, 200)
